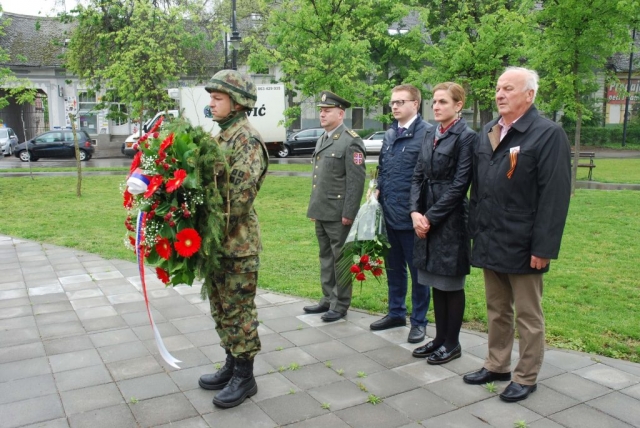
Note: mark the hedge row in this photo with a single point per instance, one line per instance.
(609, 136)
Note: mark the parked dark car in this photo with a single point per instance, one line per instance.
(8, 141)
(55, 144)
(303, 141)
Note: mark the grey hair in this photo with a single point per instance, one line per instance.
(531, 79)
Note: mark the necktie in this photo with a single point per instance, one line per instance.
(400, 131)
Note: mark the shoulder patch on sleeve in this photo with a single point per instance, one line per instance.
(353, 133)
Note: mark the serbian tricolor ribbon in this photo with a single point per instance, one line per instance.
(142, 218)
(513, 160)
(138, 182)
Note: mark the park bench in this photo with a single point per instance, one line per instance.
(590, 164)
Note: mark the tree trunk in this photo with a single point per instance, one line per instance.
(72, 119)
(486, 116)
(576, 153)
(475, 114)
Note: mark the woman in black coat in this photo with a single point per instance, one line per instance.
(439, 211)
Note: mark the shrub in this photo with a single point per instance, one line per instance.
(610, 136)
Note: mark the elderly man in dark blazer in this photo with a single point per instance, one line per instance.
(338, 183)
(519, 203)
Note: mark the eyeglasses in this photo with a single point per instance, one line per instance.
(398, 102)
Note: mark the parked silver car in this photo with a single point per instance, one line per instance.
(8, 141)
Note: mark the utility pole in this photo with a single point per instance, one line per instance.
(235, 37)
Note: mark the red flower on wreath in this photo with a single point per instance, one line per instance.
(132, 241)
(154, 184)
(163, 248)
(162, 275)
(128, 199)
(135, 163)
(156, 126)
(187, 242)
(177, 180)
(166, 143)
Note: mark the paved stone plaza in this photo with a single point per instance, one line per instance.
(76, 350)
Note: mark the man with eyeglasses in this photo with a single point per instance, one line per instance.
(398, 157)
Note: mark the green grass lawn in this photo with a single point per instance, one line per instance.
(591, 299)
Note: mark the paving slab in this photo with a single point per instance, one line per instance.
(142, 388)
(576, 387)
(583, 416)
(419, 404)
(82, 378)
(372, 416)
(21, 352)
(619, 406)
(162, 410)
(290, 408)
(607, 376)
(500, 414)
(22, 389)
(91, 398)
(31, 411)
(115, 416)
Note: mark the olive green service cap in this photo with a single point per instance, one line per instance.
(329, 99)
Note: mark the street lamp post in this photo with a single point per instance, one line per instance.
(235, 37)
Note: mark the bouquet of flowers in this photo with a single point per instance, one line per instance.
(366, 245)
(175, 215)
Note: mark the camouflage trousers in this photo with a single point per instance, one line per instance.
(233, 306)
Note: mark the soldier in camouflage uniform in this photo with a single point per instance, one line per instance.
(338, 183)
(234, 287)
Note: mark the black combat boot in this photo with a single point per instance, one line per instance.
(219, 379)
(241, 386)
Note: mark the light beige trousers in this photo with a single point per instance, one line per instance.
(504, 293)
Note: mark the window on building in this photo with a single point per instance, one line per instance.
(88, 119)
(357, 118)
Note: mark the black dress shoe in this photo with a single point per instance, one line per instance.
(416, 334)
(315, 309)
(388, 322)
(425, 350)
(442, 356)
(517, 392)
(483, 376)
(332, 315)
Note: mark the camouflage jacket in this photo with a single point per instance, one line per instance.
(248, 161)
(338, 176)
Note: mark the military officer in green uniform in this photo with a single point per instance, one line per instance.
(338, 183)
(233, 308)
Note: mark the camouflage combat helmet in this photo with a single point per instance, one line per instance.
(235, 84)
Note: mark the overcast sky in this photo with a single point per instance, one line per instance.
(32, 7)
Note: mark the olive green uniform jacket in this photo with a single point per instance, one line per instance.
(338, 176)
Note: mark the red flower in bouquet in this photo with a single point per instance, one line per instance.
(163, 248)
(364, 259)
(355, 269)
(162, 275)
(361, 276)
(187, 242)
(156, 126)
(377, 272)
(176, 181)
(366, 266)
(154, 184)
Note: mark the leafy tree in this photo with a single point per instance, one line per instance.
(137, 48)
(576, 39)
(339, 45)
(471, 42)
